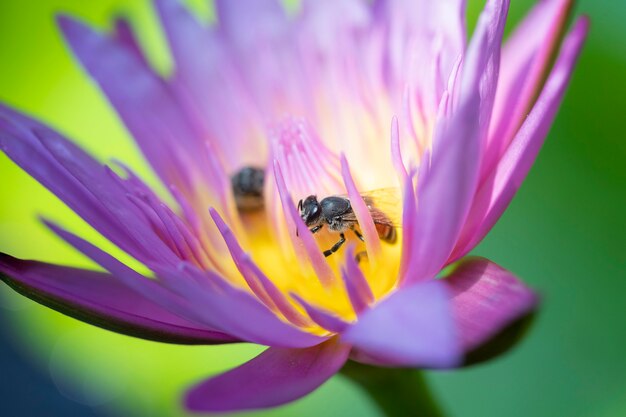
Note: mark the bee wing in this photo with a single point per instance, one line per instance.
(385, 206)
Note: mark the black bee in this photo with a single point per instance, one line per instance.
(337, 214)
(247, 185)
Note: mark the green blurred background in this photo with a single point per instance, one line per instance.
(563, 234)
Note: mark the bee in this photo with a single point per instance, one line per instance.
(247, 185)
(336, 213)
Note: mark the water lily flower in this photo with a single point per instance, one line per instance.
(341, 98)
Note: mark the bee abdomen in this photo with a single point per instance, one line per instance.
(386, 232)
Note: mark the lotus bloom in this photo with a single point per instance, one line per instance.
(342, 98)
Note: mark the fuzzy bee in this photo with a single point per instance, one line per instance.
(247, 185)
(336, 213)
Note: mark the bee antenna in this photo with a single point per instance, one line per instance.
(300, 205)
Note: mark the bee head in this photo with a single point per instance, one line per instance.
(310, 210)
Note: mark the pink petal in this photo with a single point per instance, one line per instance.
(207, 81)
(525, 60)
(486, 299)
(363, 216)
(315, 256)
(445, 192)
(413, 327)
(356, 284)
(443, 199)
(275, 377)
(396, 152)
(102, 300)
(426, 23)
(497, 191)
(323, 22)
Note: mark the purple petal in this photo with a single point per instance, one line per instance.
(125, 34)
(149, 288)
(413, 327)
(275, 377)
(361, 211)
(396, 152)
(237, 312)
(426, 21)
(443, 199)
(228, 309)
(185, 35)
(199, 74)
(258, 282)
(323, 318)
(482, 63)
(324, 273)
(446, 192)
(356, 284)
(102, 300)
(497, 191)
(245, 22)
(171, 143)
(526, 57)
(325, 21)
(82, 183)
(486, 299)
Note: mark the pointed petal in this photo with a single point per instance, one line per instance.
(258, 282)
(149, 288)
(275, 377)
(80, 182)
(125, 34)
(356, 284)
(206, 79)
(323, 318)
(170, 142)
(100, 299)
(361, 211)
(526, 57)
(316, 258)
(396, 152)
(446, 192)
(482, 64)
(428, 22)
(443, 198)
(228, 308)
(185, 35)
(307, 167)
(488, 301)
(497, 191)
(237, 312)
(413, 327)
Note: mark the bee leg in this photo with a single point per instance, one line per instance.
(313, 230)
(336, 246)
(316, 229)
(359, 235)
(360, 256)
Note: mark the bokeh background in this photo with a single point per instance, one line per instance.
(564, 234)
